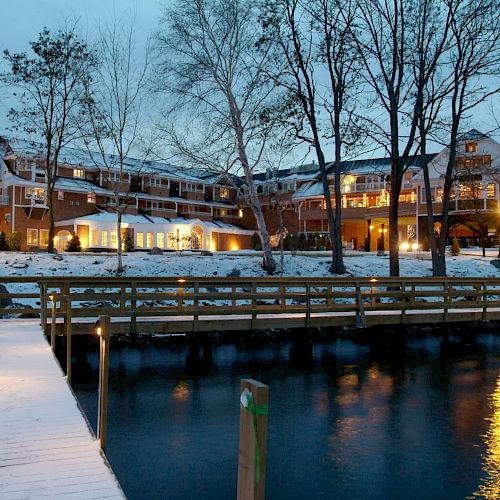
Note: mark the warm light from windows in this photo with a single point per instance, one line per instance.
(44, 237)
(471, 147)
(140, 240)
(79, 173)
(160, 240)
(32, 238)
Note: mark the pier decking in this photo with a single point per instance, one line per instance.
(47, 449)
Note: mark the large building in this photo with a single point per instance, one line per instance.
(365, 186)
(178, 208)
(166, 206)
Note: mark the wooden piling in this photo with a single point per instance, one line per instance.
(253, 443)
(104, 330)
(68, 337)
(53, 320)
(43, 307)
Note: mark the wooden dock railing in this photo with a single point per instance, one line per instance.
(171, 304)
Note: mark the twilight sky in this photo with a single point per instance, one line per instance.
(24, 19)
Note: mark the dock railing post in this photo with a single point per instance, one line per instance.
(43, 306)
(68, 336)
(53, 318)
(252, 460)
(103, 331)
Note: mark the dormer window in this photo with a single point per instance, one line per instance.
(79, 173)
(224, 193)
(471, 147)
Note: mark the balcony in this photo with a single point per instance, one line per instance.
(366, 187)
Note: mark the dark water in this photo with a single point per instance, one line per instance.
(418, 419)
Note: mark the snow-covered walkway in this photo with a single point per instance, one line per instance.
(47, 449)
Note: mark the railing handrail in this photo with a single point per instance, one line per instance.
(257, 279)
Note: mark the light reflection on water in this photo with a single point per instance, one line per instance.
(414, 420)
(490, 485)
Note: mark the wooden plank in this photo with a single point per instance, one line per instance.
(47, 448)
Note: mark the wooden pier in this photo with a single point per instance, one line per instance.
(48, 450)
(70, 306)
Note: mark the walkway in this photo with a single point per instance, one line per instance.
(47, 449)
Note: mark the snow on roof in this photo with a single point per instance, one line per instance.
(308, 190)
(142, 219)
(67, 184)
(472, 135)
(88, 160)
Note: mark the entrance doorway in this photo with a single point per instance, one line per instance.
(62, 239)
(197, 238)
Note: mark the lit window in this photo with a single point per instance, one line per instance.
(60, 195)
(79, 173)
(140, 240)
(222, 213)
(491, 192)
(91, 197)
(471, 147)
(224, 193)
(104, 238)
(160, 240)
(149, 240)
(94, 238)
(44, 237)
(171, 240)
(32, 236)
(240, 213)
(113, 239)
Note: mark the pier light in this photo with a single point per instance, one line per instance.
(98, 328)
(181, 280)
(373, 280)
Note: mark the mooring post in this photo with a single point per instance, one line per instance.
(53, 299)
(68, 337)
(254, 403)
(43, 306)
(104, 333)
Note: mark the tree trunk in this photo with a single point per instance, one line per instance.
(50, 206)
(268, 263)
(428, 203)
(448, 184)
(393, 233)
(338, 266)
(119, 266)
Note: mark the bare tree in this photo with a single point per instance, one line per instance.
(301, 54)
(207, 58)
(50, 84)
(115, 118)
(383, 34)
(474, 55)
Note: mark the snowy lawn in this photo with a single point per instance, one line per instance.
(246, 263)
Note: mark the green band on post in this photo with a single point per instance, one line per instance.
(255, 410)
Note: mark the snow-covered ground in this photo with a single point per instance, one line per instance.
(469, 263)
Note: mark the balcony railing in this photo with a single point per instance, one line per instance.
(366, 187)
